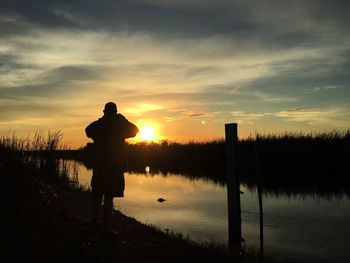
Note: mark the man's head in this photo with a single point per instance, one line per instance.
(110, 108)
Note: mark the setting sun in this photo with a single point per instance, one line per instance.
(147, 133)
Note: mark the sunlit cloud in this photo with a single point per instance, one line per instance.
(275, 99)
(247, 118)
(140, 109)
(334, 117)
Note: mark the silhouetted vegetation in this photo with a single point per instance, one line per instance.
(34, 156)
(35, 221)
(289, 163)
(302, 163)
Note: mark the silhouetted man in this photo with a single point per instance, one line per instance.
(109, 155)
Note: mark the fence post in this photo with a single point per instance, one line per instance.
(233, 193)
(261, 211)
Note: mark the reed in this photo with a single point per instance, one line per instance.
(289, 162)
(33, 156)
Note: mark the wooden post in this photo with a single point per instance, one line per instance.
(261, 211)
(233, 193)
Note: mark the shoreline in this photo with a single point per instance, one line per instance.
(51, 221)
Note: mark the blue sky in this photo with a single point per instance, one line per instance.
(184, 67)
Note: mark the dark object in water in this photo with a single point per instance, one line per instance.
(161, 200)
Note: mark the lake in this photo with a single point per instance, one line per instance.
(299, 228)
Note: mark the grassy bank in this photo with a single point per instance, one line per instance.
(46, 219)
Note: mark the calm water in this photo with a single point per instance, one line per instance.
(298, 228)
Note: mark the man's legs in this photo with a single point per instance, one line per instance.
(107, 211)
(96, 207)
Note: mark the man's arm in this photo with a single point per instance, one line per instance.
(91, 130)
(129, 129)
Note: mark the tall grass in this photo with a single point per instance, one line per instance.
(33, 156)
(310, 163)
(209, 156)
(289, 162)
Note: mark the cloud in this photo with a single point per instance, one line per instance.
(196, 114)
(174, 60)
(64, 12)
(271, 98)
(333, 117)
(247, 118)
(313, 117)
(140, 109)
(300, 115)
(302, 22)
(324, 88)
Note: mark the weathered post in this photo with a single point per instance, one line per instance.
(261, 211)
(233, 193)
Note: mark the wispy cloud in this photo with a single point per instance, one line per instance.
(272, 98)
(323, 88)
(247, 118)
(334, 117)
(140, 109)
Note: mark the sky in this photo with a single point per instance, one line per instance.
(183, 67)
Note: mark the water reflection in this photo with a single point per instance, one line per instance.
(298, 227)
(191, 205)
